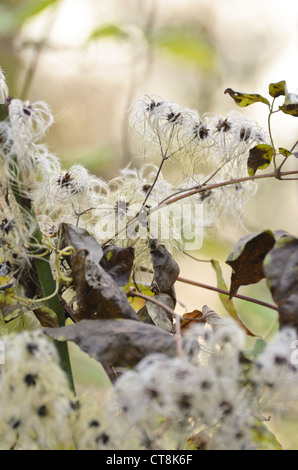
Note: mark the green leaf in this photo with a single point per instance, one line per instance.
(12, 18)
(108, 31)
(278, 89)
(246, 259)
(259, 158)
(259, 347)
(291, 109)
(186, 46)
(244, 99)
(28, 10)
(225, 300)
(281, 272)
(284, 152)
(263, 437)
(3, 112)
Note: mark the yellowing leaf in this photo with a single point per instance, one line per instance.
(291, 109)
(225, 300)
(244, 99)
(263, 437)
(277, 89)
(284, 152)
(259, 158)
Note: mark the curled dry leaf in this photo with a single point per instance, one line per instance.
(121, 343)
(225, 300)
(155, 314)
(80, 239)
(207, 315)
(211, 317)
(281, 271)
(98, 296)
(118, 263)
(166, 269)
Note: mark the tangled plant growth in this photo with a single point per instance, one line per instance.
(76, 250)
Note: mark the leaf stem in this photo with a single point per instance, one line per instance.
(43, 269)
(270, 132)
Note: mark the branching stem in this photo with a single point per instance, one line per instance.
(134, 293)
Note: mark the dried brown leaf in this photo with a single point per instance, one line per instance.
(121, 343)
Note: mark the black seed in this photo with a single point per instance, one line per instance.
(104, 438)
(280, 360)
(42, 411)
(27, 111)
(31, 348)
(30, 379)
(15, 423)
(227, 407)
(94, 424)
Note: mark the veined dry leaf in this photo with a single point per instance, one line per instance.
(246, 259)
(166, 271)
(191, 318)
(121, 343)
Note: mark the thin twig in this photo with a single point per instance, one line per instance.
(224, 292)
(198, 189)
(197, 259)
(222, 184)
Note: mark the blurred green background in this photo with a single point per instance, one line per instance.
(89, 59)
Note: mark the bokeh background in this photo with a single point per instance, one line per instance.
(89, 59)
